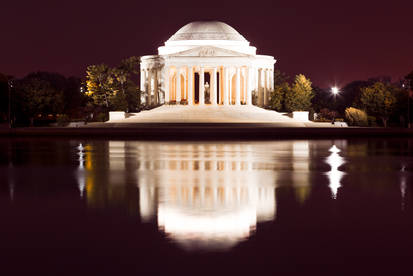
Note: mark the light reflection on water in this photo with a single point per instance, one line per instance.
(112, 206)
(211, 196)
(335, 175)
(207, 196)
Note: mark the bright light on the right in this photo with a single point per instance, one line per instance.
(335, 90)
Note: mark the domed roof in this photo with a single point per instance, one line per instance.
(207, 30)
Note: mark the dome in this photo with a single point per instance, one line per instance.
(207, 30)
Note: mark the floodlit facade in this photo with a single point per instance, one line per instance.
(207, 62)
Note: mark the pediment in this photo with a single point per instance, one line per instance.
(209, 51)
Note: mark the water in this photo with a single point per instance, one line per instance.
(190, 208)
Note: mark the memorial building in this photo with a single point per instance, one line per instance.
(207, 63)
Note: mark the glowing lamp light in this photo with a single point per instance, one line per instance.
(335, 90)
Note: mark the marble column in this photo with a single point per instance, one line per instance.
(213, 93)
(260, 92)
(238, 87)
(256, 80)
(166, 82)
(244, 85)
(155, 87)
(230, 86)
(266, 86)
(178, 85)
(249, 85)
(190, 86)
(149, 91)
(220, 95)
(225, 85)
(185, 94)
(144, 83)
(142, 86)
(271, 79)
(201, 86)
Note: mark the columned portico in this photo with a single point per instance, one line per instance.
(207, 52)
(228, 85)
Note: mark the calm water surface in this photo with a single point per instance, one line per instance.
(92, 207)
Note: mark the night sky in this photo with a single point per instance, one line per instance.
(332, 42)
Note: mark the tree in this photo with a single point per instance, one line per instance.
(74, 100)
(132, 92)
(97, 84)
(280, 77)
(114, 87)
(38, 97)
(356, 117)
(277, 96)
(379, 100)
(350, 95)
(300, 95)
(409, 78)
(130, 64)
(322, 99)
(281, 88)
(409, 83)
(121, 79)
(4, 98)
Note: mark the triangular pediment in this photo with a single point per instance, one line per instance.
(209, 51)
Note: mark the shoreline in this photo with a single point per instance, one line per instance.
(205, 131)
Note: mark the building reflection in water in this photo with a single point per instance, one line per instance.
(202, 195)
(11, 182)
(334, 175)
(81, 169)
(206, 195)
(403, 186)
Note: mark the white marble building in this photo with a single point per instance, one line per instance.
(207, 63)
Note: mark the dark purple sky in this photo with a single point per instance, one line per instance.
(329, 41)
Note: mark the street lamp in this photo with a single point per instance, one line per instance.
(335, 92)
(408, 86)
(10, 86)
